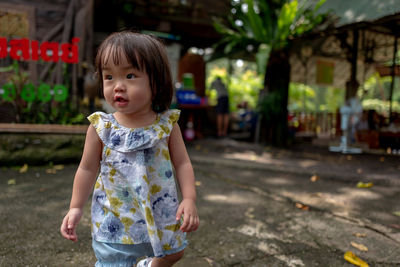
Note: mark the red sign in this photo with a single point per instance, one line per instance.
(25, 49)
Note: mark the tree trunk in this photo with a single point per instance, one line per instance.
(275, 99)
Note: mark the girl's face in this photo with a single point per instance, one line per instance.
(126, 89)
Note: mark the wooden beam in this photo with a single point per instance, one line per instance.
(42, 128)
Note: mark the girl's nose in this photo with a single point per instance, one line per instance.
(119, 87)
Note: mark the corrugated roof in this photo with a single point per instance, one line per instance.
(354, 11)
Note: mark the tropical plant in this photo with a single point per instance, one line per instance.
(242, 87)
(264, 28)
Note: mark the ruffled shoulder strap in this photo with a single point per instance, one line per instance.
(125, 139)
(102, 123)
(166, 121)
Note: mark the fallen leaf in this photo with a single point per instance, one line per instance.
(302, 206)
(359, 235)
(42, 189)
(364, 185)
(198, 183)
(352, 258)
(314, 178)
(349, 157)
(12, 182)
(397, 213)
(198, 147)
(253, 157)
(24, 168)
(58, 167)
(51, 171)
(382, 159)
(359, 170)
(359, 246)
(210, 261)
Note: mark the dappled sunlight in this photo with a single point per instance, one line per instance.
(231, 198)
(356, 193)
(278, 181)
(307, 163)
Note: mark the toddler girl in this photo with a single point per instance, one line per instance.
(139, 149)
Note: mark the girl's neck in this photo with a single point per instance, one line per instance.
(135, 120)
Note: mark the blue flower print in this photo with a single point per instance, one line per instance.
(115, 140)
(98, 204)
(111, 229)
(164, 206)
(165, 170)
(125, 194)
(148, 156)
(168, 173)
(136, 139)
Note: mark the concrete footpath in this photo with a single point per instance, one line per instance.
(298, 207)
(258, 206)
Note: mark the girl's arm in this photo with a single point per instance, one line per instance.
(185, 175)
(85, 178)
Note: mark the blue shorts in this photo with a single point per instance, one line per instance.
(120, 255)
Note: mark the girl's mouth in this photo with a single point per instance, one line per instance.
(120, 100)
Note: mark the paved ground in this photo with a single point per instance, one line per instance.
(258, 207)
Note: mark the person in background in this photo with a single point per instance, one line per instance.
(222, 108)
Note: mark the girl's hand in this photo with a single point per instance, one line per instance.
(190, 217)
(68, 226)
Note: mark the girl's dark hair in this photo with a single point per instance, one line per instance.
(145, 53)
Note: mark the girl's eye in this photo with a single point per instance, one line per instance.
(130, 76)
(108, 77)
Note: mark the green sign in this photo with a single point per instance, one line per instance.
(29, 93)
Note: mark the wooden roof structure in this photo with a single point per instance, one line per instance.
(362, 38)
(188, 22)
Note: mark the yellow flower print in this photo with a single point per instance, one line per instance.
(116, 203)
(173, 117)
(127, 222)
(127, 240)
(172, 227)
(97, 185)
(145, 178)
(133, 210)
(108, 151)
(107, 125)
(136, 203)
(165, 129)
(160, 234)
(94, 119)
(167, 247)
(151, 232)
(165, 154)
(149, 217)
(155, 189)
(179, 240)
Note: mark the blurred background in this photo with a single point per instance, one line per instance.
(289, 66)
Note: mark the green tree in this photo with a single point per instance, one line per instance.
(264, 28)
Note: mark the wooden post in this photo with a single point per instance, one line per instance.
(393, 69)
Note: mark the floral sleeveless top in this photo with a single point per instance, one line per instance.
(135, 198)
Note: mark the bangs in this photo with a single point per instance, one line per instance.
(117, 53)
